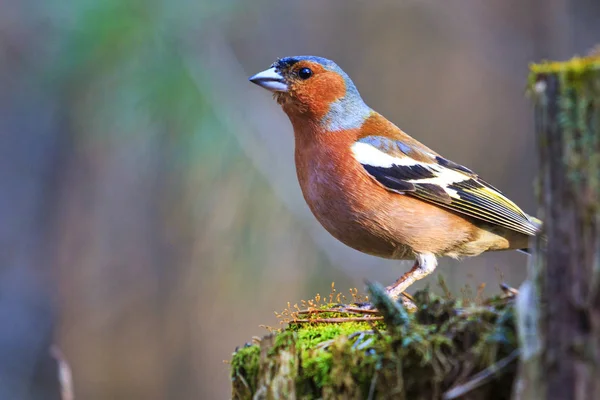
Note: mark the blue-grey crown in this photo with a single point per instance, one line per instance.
(287, 62)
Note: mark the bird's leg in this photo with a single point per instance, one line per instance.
(424, 265)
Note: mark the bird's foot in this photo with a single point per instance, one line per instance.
(405, 299)
(408, 302)
(508, 291)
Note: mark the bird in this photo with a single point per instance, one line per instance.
(378, 190)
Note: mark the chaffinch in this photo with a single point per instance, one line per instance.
(377, 189)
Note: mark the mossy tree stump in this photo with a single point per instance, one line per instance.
(559, 305)
(444, 347)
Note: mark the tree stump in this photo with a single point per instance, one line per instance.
(446, 349)
(559, 304)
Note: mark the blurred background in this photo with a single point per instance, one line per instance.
(150, 217)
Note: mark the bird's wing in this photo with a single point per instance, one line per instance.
(439, 181)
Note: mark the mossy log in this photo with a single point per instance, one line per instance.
(559, 305)
(445, 347)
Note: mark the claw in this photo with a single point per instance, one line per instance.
(509, 291)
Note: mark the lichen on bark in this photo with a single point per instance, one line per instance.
(559, 304)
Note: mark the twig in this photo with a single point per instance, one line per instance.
(65, 376)
(324, 345)
(360, 310)
(372, 387)
(360, 333)
(349, 310)
(358, 341)
(335, 320)
(364, 344)
(481, 377)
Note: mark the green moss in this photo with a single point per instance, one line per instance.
(414, 355)
(244, 367)
(311, 335)
(317, 361)
(317, 367)
(283, 340)
(572, 76)
(575, 66)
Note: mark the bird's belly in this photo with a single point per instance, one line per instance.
(360, 235)
(345, 218)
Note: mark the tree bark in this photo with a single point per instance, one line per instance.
(559, 305)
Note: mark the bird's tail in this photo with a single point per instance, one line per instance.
(538, 224)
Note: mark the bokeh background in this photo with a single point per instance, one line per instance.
(150, 218)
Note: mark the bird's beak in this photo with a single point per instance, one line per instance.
(271, 80)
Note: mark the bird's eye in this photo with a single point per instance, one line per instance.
(305, 73)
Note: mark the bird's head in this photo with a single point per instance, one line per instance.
(314, 89)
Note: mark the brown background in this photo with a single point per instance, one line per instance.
(149, 211)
